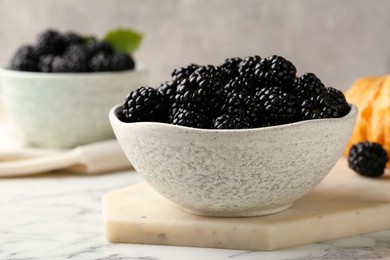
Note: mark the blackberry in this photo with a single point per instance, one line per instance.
(198, 91)
(183, 72)
(168, 90)
(72, 38)
(95, 47)
(337, 98)
(100, 62)
(275, 71)
(122, 61)
(45, 63)
(368, 159)
(189, 118)
(74, 59)
(277, 105)
(317, 107)
(25, 59)
(50, 42)
(143, 104)
(237, 85)
(230, 122)
(246, 71)
(308, 85)
(229, 68)
(242, 106)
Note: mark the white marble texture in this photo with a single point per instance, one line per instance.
(58, 216)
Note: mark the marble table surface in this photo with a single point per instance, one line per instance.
(59, 216)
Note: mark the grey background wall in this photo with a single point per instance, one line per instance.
(338, 40)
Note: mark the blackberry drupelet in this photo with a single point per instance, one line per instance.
(275, 71)
(50, 42)
(189, 118)
(183, 72)
(337, 98)
(308, 85)
(230, 122)
(143, 104)
(368, 159)
(277, 105)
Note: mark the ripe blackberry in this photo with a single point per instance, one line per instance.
(25, 59)
(45, 63)
(368, 159)
(183, 72)
(246, 71)
(230, 122)
(74, 59)
(71, 38)
(308, 85)
(95, 47)
(189, 118)
(122, 61)
(337, 98)
(317, 107)
(100, 62)
(229, 69)
(199, 91)
(277, 105)
(168, 90)
(242, 106)
(275, 71)
(50, 42)
(143, 104)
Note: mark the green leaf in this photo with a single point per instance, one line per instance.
(124, 40)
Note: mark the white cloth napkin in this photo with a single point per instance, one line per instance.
(18, 160)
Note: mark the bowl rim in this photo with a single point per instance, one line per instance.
(114, 111)
(6, 72)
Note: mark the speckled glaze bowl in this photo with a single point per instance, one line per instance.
(64, 110)
(234, 173)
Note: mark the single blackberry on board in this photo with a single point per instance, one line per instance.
(277, 105)
(368, 159)
(308, 85)
(183, 72)
(143, 104)
(50, 42)
(230, 122)
(337, 98)
(275, 71)
(189, 118)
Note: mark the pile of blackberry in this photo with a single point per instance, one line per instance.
(239, 93)
(69, 52)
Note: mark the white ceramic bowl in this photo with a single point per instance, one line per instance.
(63, 110)
(247, 172)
